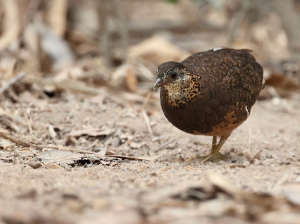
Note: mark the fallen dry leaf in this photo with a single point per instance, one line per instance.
(59, 157)
(125, 77)
(157, 50)
(252, 159)
(237, 166)
(282, 81)
(131, 80)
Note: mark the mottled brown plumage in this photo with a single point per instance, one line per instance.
(210, 93)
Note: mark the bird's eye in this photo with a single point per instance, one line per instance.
(173, 75)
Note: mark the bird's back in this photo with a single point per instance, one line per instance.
(228, 68)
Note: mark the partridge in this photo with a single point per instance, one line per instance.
(210, 93)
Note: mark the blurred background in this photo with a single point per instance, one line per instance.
(116, 45)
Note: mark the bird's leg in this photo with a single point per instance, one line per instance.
(214, 143)
(214, 154)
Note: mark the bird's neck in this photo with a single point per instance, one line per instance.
(176, 97)
(178, 94)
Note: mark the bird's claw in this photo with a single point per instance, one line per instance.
(213, 157)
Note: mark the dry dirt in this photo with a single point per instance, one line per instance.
(38, 186)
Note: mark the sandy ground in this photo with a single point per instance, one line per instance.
(38, 187)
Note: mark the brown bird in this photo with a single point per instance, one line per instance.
(210, 93)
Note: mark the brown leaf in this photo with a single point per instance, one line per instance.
(256, 156)
(35, 164)
(131, 80)
(237, 166)
(125, 77)
(282, 81)
(251, 158)
(224, 185)
(157, 50)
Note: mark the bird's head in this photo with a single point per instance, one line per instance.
(170, 74)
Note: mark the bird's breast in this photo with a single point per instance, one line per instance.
(177, 96)
(202, 116)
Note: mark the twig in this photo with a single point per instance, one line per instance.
(146, 118)
(164, 145)
(93, 144)
(28, 121)
(64, 148)
(206, 159)
(12, 81)
(6, 159)
(13, 139)
(151, 158)
(24, 144)
(146, 100)
(147, 121)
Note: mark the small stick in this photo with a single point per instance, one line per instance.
(64, 148)
(14, 140)
(206, 159)
(6, 159)
(146, 100)
(28, 121)
(164, 145)
(12, 81)
(146, 118)
(134, 158)
(93, 144)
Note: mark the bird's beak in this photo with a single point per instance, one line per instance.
(157, 84)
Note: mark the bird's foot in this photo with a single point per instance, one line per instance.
(212, 157)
